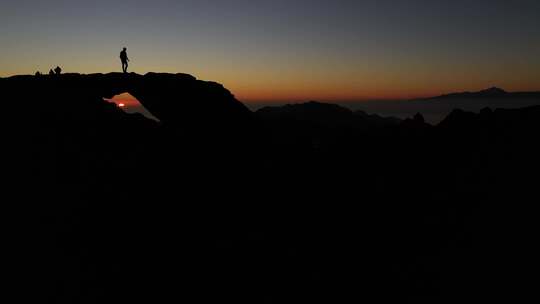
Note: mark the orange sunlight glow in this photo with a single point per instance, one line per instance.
(130, 104)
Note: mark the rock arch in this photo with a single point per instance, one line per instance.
(174, 98)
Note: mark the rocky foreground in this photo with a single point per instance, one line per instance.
(215, 203)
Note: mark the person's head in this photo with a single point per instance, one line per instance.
(125, 49)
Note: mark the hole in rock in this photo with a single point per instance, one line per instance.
(130, 104)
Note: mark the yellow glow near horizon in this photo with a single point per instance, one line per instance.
(338, 83)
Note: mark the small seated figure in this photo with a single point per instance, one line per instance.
(51, 72)
(38, 73)
(57, 70)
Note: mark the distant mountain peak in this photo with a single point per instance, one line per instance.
(490, 92)
(493, 91)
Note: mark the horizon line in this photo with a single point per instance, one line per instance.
(295, 100)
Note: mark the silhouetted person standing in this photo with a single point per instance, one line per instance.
(124, 58)
(58, 70)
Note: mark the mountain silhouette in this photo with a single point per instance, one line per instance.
(300, 203)
(324, 113)
(489, 93)
(435, 109)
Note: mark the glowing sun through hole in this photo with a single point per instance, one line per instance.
(130, 104)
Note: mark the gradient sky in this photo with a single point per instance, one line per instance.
(294, 50)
